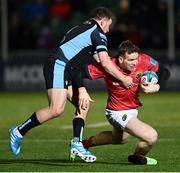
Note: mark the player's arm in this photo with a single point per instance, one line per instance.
(89, 71)
(149, 88)
(99, 41)
(96, 57)
(110, 68)
(163, 75)
(83, 97)
(160, 69)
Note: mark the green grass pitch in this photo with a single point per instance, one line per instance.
(46, 148)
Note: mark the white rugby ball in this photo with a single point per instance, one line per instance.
(149, 77)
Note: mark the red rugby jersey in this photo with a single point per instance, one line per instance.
(120, 98)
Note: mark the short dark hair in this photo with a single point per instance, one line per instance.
(127, 46)
(102, 12)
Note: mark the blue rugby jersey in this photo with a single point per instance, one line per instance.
(80, 41)
(77, 47)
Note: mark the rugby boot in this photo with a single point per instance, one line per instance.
(15, 141)
(141, 160)
(77, 149)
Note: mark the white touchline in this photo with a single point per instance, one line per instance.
(100, 124)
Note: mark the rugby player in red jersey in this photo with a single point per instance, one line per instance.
(61, 69)
(122, 103)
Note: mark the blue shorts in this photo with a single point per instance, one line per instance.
(56, 74)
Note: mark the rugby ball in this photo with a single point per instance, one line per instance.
(149, 77)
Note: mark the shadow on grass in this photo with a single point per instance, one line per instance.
(55, 162)
(113, 163)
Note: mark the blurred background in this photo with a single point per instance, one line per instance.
(30, 29)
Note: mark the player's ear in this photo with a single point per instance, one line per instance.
(120, 59)
(102, 22)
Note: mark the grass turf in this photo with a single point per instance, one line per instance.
(46, 148)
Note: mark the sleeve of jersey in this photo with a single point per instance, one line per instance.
(162, 72)
(94, 71)
(99, 41)
(152, 64)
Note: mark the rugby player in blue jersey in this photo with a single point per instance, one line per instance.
(63, 69)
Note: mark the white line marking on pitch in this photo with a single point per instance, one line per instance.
(100, 124)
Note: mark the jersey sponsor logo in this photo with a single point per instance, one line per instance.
(115, 83)
(138, 75)
(124, 117)
(153, 61)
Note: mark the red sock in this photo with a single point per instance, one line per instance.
(87, 143)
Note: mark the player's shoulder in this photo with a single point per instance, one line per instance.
(88, 25)
(143, 61)
(147, 62)
(94, 24)
(143, 57)
(89, 22)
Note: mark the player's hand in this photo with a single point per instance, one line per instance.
(149, 87)
(84, 99)
(127, 82)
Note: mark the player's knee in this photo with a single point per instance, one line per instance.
(56, 111)
(153, 137)
(81, 114)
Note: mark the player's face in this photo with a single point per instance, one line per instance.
(105, 24)
(129, 61)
